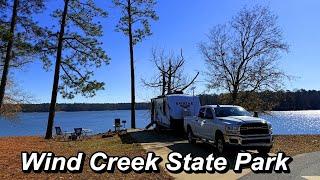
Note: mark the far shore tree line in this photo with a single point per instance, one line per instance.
(44, 107)
(241, 56)
(262, 101)
(271, 100)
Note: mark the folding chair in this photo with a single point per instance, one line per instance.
(78, 132)
(60, 133)
(117, 125)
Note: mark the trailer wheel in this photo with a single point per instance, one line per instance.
(190, 136)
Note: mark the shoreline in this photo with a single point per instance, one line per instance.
(149, 109)
(290, 144)
(42, 136)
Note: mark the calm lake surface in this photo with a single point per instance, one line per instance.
(284, 122)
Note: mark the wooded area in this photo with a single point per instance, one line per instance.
(277, 101)
(82, 107)
(283, 101)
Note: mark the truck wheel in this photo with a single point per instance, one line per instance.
(220, 144)
(264, 150)
(190, 136)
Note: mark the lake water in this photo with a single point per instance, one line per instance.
(284, 122)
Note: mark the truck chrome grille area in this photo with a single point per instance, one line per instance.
(254, 128)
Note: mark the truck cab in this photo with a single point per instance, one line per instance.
(229, 125)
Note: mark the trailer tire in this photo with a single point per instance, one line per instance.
(190, 136)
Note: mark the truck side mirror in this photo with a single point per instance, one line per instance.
(255, 114)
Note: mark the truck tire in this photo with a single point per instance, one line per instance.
(220, 144)
(190, 136)
(264, 150)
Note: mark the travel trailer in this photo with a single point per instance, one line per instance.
(168, 111)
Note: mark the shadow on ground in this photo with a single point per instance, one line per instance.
(151, 136)
(177, 143)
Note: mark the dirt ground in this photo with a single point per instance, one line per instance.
(11, 147)
(165, 142)
(290, 144)
(296, 144)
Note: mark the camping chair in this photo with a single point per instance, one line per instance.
(60, 133)
(124, 124)
(78, 133)
(124, 130)
(87, 132)
(117, 125)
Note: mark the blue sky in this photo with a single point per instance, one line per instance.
(182, 25)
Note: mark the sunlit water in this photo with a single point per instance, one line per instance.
(295, 122)
(98, 121)
(286, 122)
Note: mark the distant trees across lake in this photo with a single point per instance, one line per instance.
(284, 101)
(280, 100)
(83, 107)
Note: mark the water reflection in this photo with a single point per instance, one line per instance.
(284, 122)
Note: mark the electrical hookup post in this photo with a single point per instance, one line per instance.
(101, 162)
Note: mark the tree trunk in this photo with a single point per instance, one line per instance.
(56, 73)
(163, 83)
(234, 96)
(8, 51)
(169, 77)
(133, 101)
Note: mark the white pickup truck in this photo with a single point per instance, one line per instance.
(228, 125)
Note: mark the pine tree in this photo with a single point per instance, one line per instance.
(77, 51)
(134, 23)
(20, 36)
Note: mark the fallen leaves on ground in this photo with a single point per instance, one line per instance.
(11, 148)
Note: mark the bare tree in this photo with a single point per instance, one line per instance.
(170, 76)
(242, 55)
(13, 99)
(134, 23)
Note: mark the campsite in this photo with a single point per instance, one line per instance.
(150, 89)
